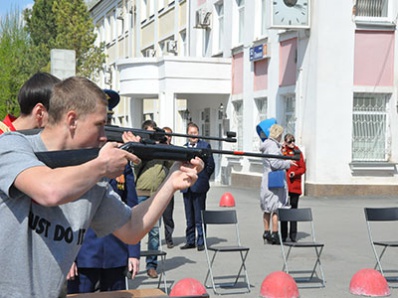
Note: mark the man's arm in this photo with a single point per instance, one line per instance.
(52, 187)
(146, 214)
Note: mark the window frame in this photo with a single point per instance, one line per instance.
(386, 141)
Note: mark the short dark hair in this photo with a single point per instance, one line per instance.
(149, 123)
(37, 89)
(192, 124)
(289, 137)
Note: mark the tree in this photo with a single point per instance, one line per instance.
(16, 60)
(40, 23)
(66, 24)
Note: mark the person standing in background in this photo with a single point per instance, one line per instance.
(293, 177)
(149, 176)
(168, 213)
(195, 196)
(273, 198)
(34, 102)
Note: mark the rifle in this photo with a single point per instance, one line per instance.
(114, 134)
(63, 158)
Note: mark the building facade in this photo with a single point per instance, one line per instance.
(325, 71)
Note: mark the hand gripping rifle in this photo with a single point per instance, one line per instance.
(63, 158)
(150, 147)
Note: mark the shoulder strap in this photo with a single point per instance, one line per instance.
(4, 127)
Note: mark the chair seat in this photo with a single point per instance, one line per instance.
(145, 253)
(228, 248)
(314, 277)
(221, 282)
(386, 243)
(383, 219)
(304, 244)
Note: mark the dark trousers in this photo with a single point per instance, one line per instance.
(92, 279)
(194, 203)
(169, 222)
(293, 198)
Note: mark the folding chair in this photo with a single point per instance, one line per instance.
(382, 216)
(161, 255)
(303, 215)
(229, 218)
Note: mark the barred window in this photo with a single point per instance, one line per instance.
(371, 8)
(370, 123)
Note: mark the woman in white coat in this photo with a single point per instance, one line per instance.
(273, 198)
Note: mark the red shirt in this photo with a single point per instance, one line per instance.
(294, 183)
(8, 120)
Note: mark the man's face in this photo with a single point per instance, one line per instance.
(168, 138)
(193, 131)
(90, 129)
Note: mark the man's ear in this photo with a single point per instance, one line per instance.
(38, 112)
(71, 119)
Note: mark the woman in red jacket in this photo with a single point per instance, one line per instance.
(293, 177)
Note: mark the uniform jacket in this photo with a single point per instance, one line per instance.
(294, 183)
(202, 184)
(110, 252)
(6, 124)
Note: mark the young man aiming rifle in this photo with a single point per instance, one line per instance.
(45, 212)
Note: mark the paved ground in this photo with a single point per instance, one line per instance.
(339, 223)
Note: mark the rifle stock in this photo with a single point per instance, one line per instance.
(64, 158)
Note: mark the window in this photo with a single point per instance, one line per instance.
(263, 18)
(380, 12)
(241, 19)
(371, 8)
(220, 23)
(370, 122)
(144, 7)
(261, 104)
(112, 22)
(183, 40)
(151, 5)
(238, 122)
(108, 35)
(290, 114)
(120, 21)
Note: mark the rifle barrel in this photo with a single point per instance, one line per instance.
(253, 154)
(114, 134)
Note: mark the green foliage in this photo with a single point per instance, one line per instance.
(25, 47)
(65, 24)
(15, 60)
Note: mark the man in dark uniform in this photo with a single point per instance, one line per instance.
(195, 196)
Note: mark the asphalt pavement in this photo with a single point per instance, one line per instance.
(339, 223)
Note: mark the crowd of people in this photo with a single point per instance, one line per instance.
(79, 227)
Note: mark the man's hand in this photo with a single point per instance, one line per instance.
(114, 160)
(185, 174)
(72, 272)
(128, 136)
(134, 267)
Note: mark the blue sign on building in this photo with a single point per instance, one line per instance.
(256, 53)
(259, 52)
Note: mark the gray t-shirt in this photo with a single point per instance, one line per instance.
(39, 244)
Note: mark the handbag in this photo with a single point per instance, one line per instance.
(276, 179)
